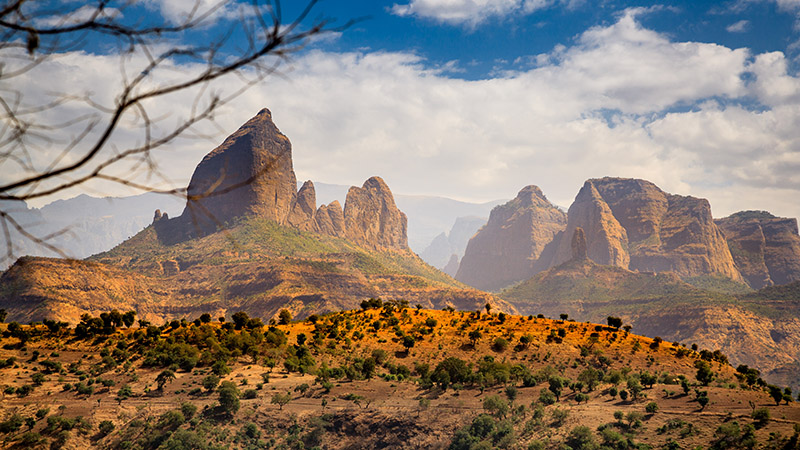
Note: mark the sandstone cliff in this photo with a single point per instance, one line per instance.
(249, 173)
(505, 249)
(372, 219)
(330, 219)
(635, 225)
(302, 215)
(766, 248)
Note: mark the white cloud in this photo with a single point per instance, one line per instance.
(180, 11)
(608, 105)
(473, 12)
(738, 27)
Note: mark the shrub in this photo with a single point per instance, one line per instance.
(651, 408)
(500, 344)
(761, 416)
(106, 427)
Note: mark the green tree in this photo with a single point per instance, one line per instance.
(284, 317)
(615, 322)
(210, 382)
(581, 438)
(556, 385)
(228, 397)
(164, 377)
(495, 406)
(408, 342)
(474, 336)
(281, 399)
(704, 374)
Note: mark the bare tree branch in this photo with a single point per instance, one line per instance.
(86, 146)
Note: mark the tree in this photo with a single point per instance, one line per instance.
(488, 307)
(408, 342)
(281, 399)
(284, 317)
(228, 397)
(776, 393)
(474, 336)
(124, 393)
(615, 322)
(704, 374)
(164, 377)
(210, 382)
(110, 136)
(556, 385)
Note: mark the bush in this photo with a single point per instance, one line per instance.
(106, 427)
(651, 408)
(761, 416)
(581, 438)
(500, 344)
(546, 397)
(250, 394)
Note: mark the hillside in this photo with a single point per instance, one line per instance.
(256, 265)
(385, 377)
(759, 329)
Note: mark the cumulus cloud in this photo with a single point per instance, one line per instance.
(623, 101)
(180, 11)
(472, 12)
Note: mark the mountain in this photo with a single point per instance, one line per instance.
(758, 329)
(246, 239)
(448, 245)
(84, 225)
(504, 250)
(766, 248)
(633, 224)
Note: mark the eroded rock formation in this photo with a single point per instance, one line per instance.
(504, 251)
(633, 224)
(372, 219)
(249, 173)
(766, 248)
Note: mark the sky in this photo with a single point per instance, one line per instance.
(475, 99)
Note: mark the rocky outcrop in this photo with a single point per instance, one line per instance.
(505, 249)
(579, 251)
(766, 248)
(304, 209)
(606, 239)
(330, 219)
(635, 225)
(249, 173)
(372, 219)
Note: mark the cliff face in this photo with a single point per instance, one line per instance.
(505, 249)
(766, 248)
(635, 225)
(250, 173)
(372, 219)
(302, 215)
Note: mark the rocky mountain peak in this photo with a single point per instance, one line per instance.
(505, 249)
(249, 173)
(532, 196)
(304, 208)
(372, 218)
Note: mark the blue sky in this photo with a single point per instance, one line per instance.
(475, 99)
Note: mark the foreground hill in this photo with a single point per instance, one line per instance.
(386, 377)
(257, 265)
(759, 329)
